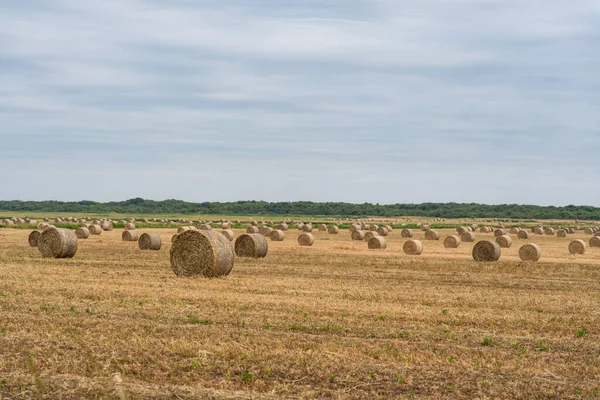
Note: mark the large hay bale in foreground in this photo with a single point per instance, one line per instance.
(57, 243)
(413, 248)
(253, 229)
(406, 233)
(358, 235)
(432, 235)
(486, 250)
(499, 232)
(377, 243)
(228, 233)
(130, 236)
(595, 241)
(452, 242)
(277, 235)
(504, 241)
(151, 241)
(205, 253)
(252, 245)
(382, 231)
(530, 252)
(129, 226)
(95, 229)
(523, 234)
(333, 230)
(34, 238)
(370, 234)
(82, 233)
(468, 237)
(306, 239)
(577, 247)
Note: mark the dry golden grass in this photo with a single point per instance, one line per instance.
(334, 320)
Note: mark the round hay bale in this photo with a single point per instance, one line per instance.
(354, 228)
(228, 233)
(95, 229)
(205, 253)
(499, 232)
(57, 243)
(462, 229)
(205, 227)
(589, 231)
(300, 226)
(377, 243)
(432, 235)
(594, 241)
(389, 228)
(413, 248)
(549, 231)
(571, 230)
(370, 234)
(523, 234)
(266, 231)
(373, 227)
(226, 225)
(253, 223)
(82, 233)
(182, 229)
(561, 233)
(514, 231)
(333, 230)
(406, 233)
(129, 226)
(504, 241)
(322, 228)
(130, 236)
(283, 227)
(151, 241)
(358, 235)
(107, 226)
(577, 247)
(306, 239)
(42, 225)
(486, 250)
(382, 231)
(530, 252)
(253, 229)
(425, 227)
(252, 245)
(34, 238)
(277, 235)
(452, 241)
(468, 237)
(538, 230)
(307, 228)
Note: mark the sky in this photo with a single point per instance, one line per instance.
(381, 101)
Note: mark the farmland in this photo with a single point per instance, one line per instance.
(334, 320)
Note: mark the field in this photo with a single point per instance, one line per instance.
(334, 320)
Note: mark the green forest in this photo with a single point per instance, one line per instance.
(440, 210)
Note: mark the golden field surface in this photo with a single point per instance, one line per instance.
(334, 320)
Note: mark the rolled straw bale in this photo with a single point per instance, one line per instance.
(34, 238)
(183, 229)
(226, 225)
(107, 226)
(462, 229)
(425, 227)
(151, 241)
(354, 228)
(266, 231)
(577, 247)
(129, 226)
(486, 250)
(306, 239)
(358, 235)
(523, 234)
(432, 235)
(283, 227)
(413, 248)
(366, 227)
(205, 227)
(561, 233)
(228, 233)
(514, 231)
(300, 226)
(538, 230)
(253, 223)
(530, 252)
(205, 253)
(253, 245)
(370, 234)
(499, 232)
(174, 237)
(468, 237)
(307, 228)
(333, 230)
(571, 230)
(277, 235)
(377, 243)
(253, 229)
(406, 233)
(484, 229)
(382, 231)
(452, 241)
(82, 233)
(57, 243)
(549, 231)
(130, 236)
(322, 227)
(588, 231)
(504, 241)
(373, 227)
(95, 229)
(594, 241)
(389, 228)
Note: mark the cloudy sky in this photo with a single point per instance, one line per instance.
(388, 101)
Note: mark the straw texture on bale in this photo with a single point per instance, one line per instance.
(514, 231)
(182, 229)
(577, 247)
(425, 227)
(373, 227)
(226, 225)
(82, 233)
(322, 228)
(307, 228)
(530, 252)
(523, 234)
(499, 232)
(370, 234)
(504, 241)
(413, 248)
(306, 239)
(452, 241)
(377, 243)
(561, 233)
(486, 250)
(462, 229)
(277, 235)
(129, 226)
(107, 226)
(228, 233)
(468, 237)
(253, 245)
(95, 229)
(205, 227)
(130, 236)
(300, 226)
(253, 229)
(283, 227)
(358, 235)
(406, 233)
(266, 231)
(432, 235)
(34, 238)
(588, 231)
(205, 253)
(57, 243)
(354, 228)
(549, 231)
(382, 231)
(174, 237)
(595, 241)
(333, 230)
(538, 230)
(151, 241)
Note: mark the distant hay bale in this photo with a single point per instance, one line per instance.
(182, 229)
(306, 239)
(377, 243)
(322, 228)
(266, 231)
(406, 233)
(253, 223)
(307, 228)
(205, 253)
(333, 230)
(226, 225)
(389, 228)
(283, 227)
(382, 231)
(358, 235)
(277, 235)
(130, 236)
(354, 228)
(425, 227)
(95, 229)
(432, 235)
(549, 231)
(594, 241)
(82, 233)
(34, 238)
(253, 229)
(452, 241)
(252, 245)
(504, 241)
(205, 227)
(462, 229)
(589, 231)
(151, 241)
(571, 230)
(523, 234)
(228, 233)
(129, 226)
(373, 227)
(107, 226)
(514, 231)
(300, 226)
(486, 251)
(561, 233)
(577, 247)
(370, 234)
(468, 237)
(57, 243)
(413, 248)
(538, 230)
(530, 252)
(486, 229)
(499, 232)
